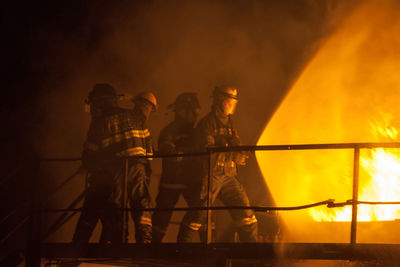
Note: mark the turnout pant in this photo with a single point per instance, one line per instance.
(167, 198)
(138, 197)
(231, 193)
(98, 205)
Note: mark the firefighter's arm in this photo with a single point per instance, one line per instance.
(166, 144)
(90, 156)
(204, 138)
(149, 146)
(149, 152)
(240, 158)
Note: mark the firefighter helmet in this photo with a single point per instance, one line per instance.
(225, 97)
(149, 97)
(225, 91)
(187, 101)
(100, 93)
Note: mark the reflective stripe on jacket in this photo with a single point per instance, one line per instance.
(126, 134)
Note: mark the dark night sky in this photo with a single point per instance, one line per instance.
(54, 51)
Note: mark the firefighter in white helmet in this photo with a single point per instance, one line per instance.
(216, 130)
(128, 136)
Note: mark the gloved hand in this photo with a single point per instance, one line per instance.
(240, 158)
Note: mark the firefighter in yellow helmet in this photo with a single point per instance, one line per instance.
(130, 137)
(216, 130)
(126, 135)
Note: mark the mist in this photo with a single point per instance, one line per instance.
(167, 47)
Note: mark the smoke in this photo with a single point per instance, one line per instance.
(174, 47)
(169, 47)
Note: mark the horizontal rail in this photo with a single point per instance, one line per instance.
(330, 204)
(361, 202)
(255, 208)
(307, 146)
(255, 148)
(156, 155)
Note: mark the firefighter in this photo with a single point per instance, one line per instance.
(128, 136)
(176, 178)
(216, 130)
(98, 204)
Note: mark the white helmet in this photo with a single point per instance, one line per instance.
(148, 97)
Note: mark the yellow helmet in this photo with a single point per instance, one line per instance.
(225, 98)
(148, 97)
(225, 91)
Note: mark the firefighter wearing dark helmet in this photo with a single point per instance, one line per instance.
(216, 129)
(128, 136)
(99, 203)
(176, 177)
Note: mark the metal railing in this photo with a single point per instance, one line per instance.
(354, 202)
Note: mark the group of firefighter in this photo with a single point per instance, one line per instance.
(117, 155)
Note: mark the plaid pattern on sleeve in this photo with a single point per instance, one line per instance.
(127, 135)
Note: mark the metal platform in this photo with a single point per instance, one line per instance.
(216, 254)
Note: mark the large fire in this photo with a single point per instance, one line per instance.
(382, 183)
(349, 92)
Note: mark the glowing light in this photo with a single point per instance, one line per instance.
(349, 92)
(382, 167)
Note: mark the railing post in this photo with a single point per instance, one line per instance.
(353, 233)
(209, 198)
(33, 256)
(125, 218)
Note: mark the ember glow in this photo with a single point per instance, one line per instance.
(348, 93)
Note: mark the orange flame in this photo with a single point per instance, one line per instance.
(382, 183)
(383, 166)
(349, 92)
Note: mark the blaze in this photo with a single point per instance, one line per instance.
(349, 92)
(381, 168)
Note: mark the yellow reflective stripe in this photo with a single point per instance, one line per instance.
(145, 220)
(221, 163)
(133, 151)
(125, 135)
(194, 226)
(247, 221)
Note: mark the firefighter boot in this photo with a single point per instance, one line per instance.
(143, 233)
(186, 234)
(248, 233)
